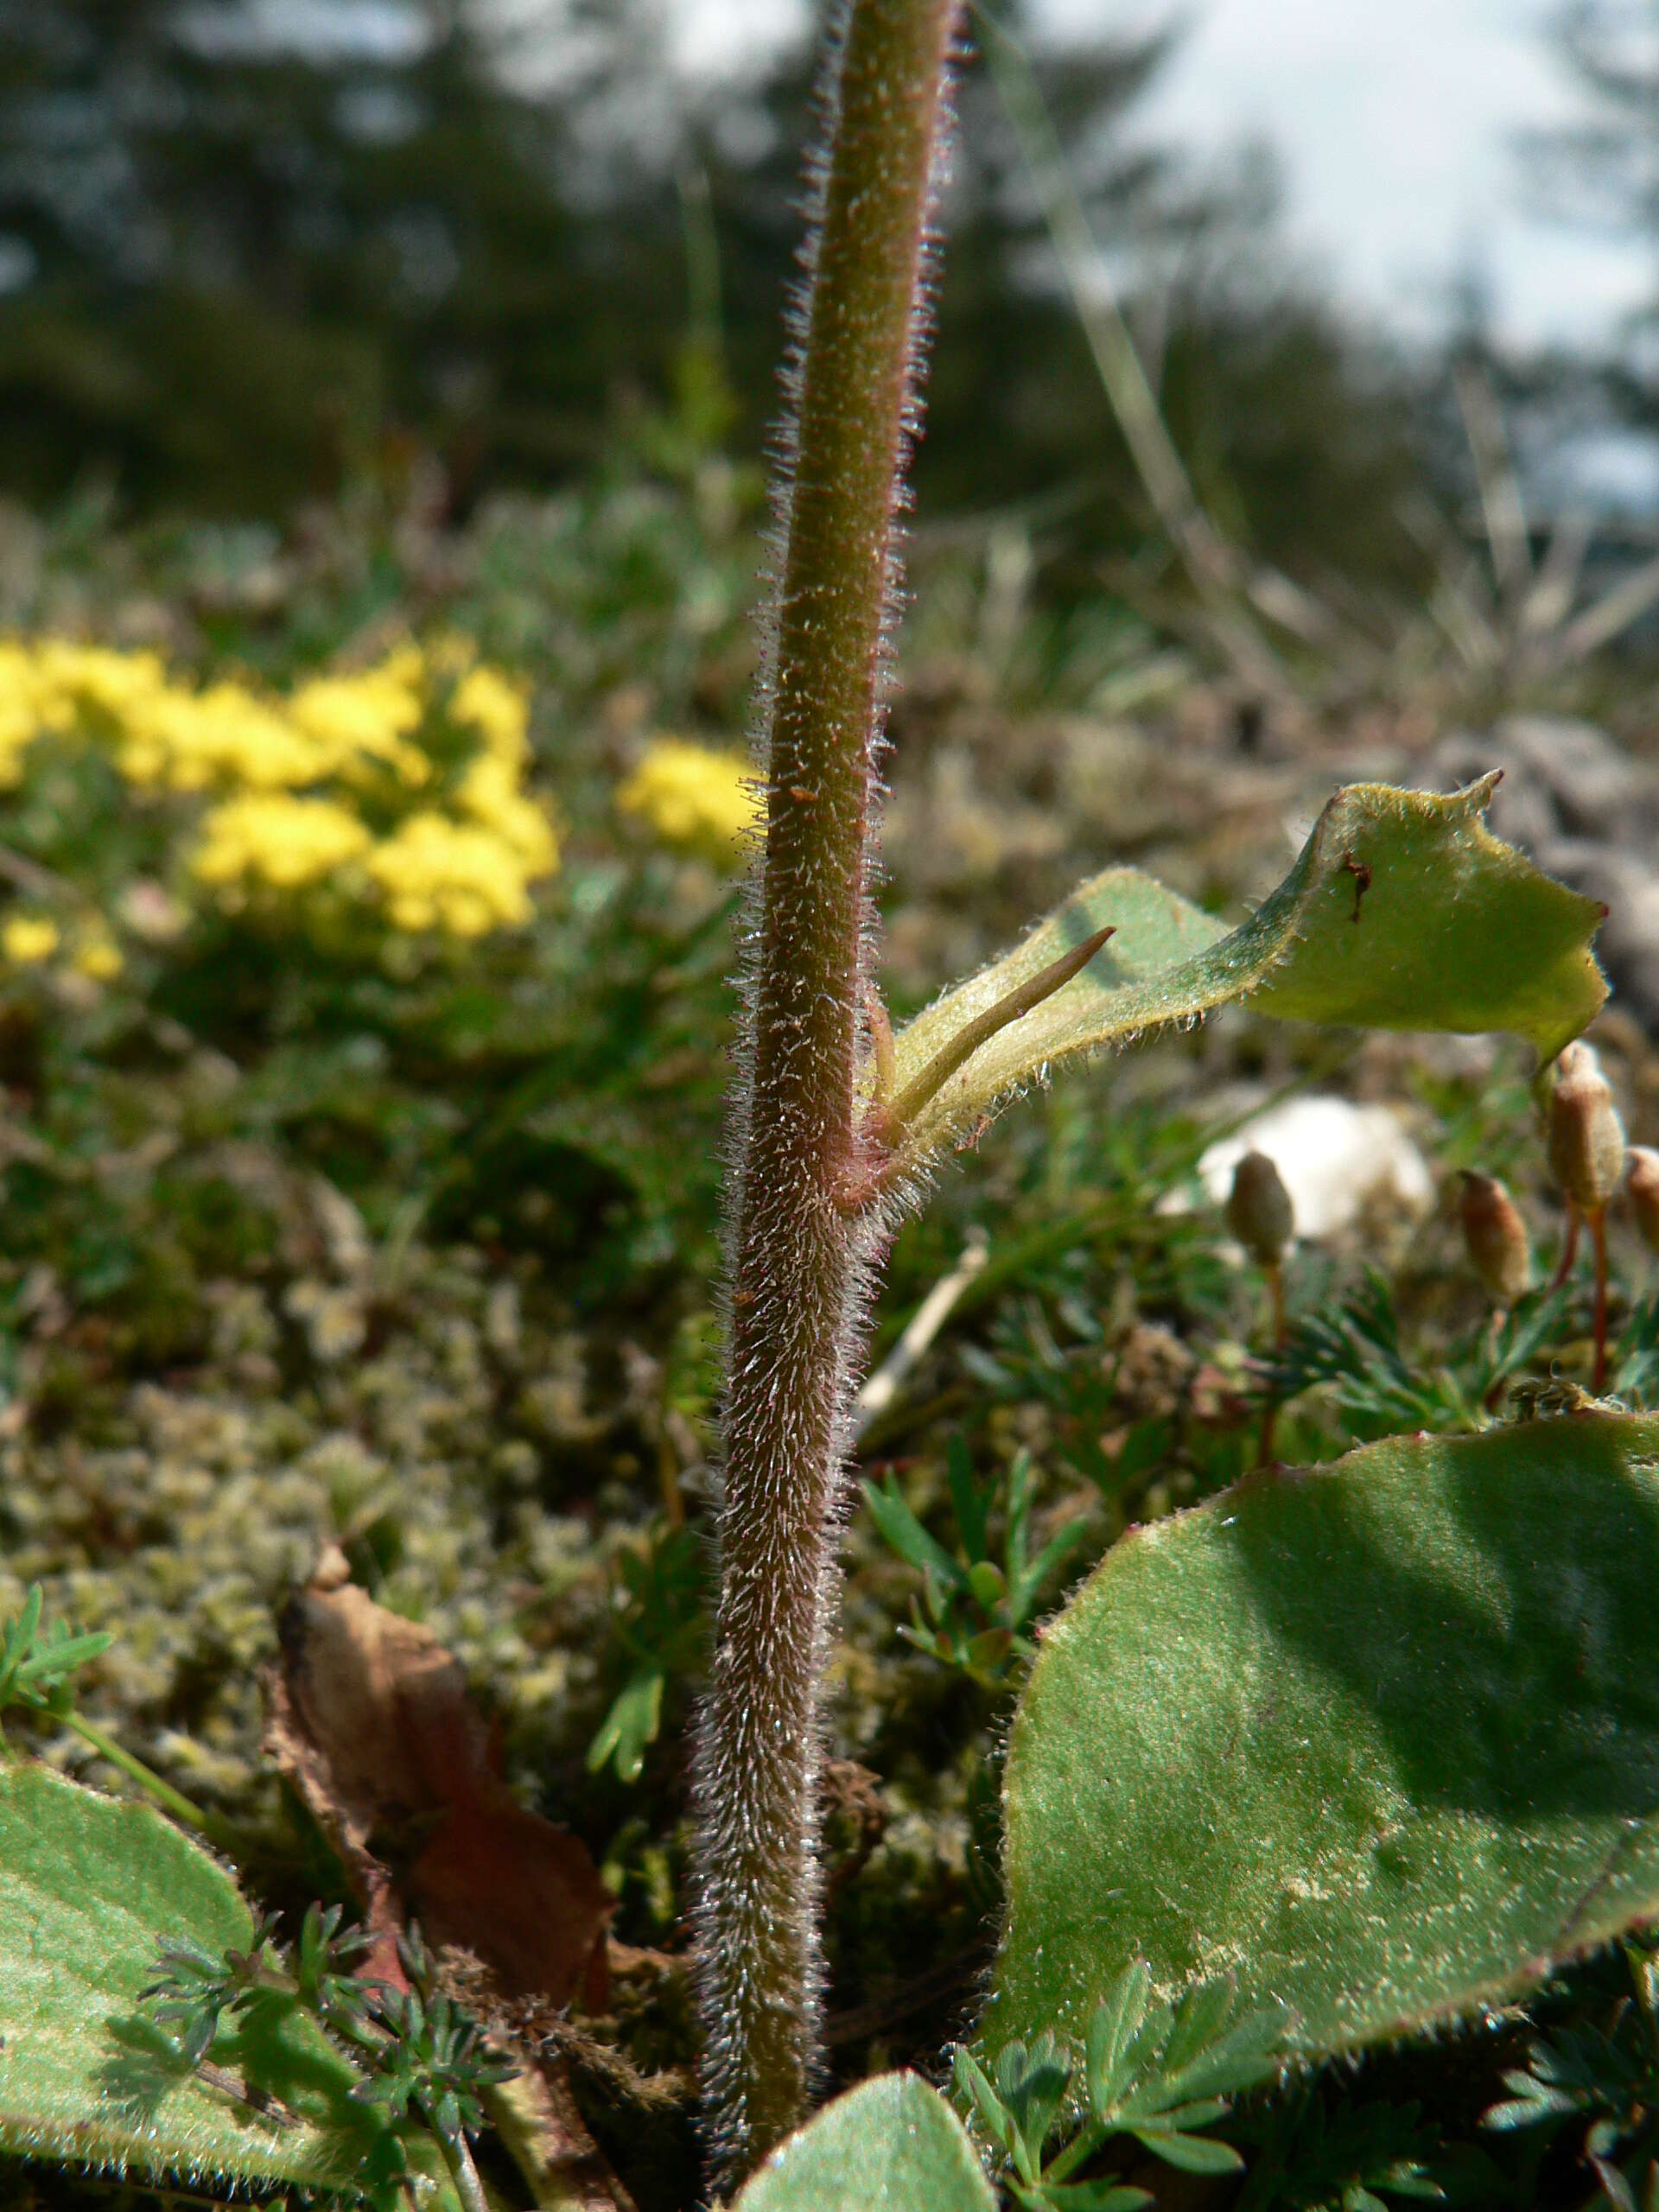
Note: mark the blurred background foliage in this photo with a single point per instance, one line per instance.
(254, 253)
(343, 340)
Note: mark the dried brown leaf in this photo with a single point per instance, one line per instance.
(369, 1719)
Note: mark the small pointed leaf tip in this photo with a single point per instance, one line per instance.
(1402, 912)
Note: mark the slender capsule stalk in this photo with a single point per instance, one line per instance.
(1586, 1140)
(1569, 1246)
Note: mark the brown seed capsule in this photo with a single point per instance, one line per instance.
(1587, 1138)
(1259, 1210)
(1495, 1237)
(1642, 1182)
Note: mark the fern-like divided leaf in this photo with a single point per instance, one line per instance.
(1403, 912)
(1382, 1385)
(1159, 2073)
(1311, 2155)
(91, 1892)
(37, 1668)
(1607, 2075)
(973, 1611)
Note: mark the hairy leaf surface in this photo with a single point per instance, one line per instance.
(1403, 912)
(1379, 1739)
(893, 2142)
(89, 1890)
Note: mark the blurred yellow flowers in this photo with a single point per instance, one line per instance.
(99, 958)
(396, 790)
(288, 842)
(697, 799)
(31, 940)
(399, 785)
(28, 939)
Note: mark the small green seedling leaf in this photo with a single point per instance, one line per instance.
(900, 1528)
(90, 1891)
(1199, 2019)
(892, 2142)
(1157, 2072)
(988, 1583)
(1193, 2154)
(631, 1726)
(657, 1619)
(1535, 2099)
(1403, 912)
(973, 2086)
(1031, 2086)
(1382, 1738)
(970, 1500)
(36, 1670)
(973, 1614)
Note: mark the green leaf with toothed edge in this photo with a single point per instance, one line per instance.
(91, 1888)
(1380, 1740)
(1403, 912)
(892, 2144)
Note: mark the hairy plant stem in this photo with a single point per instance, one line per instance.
(801, 1256)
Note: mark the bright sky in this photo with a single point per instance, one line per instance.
(1395, 124)
(1393, 121)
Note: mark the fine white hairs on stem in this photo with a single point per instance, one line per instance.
(800, 1259)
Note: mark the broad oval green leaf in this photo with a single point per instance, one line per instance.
(1381, 1740)
(90, 1890)
(1403, 912)
(892, 2144)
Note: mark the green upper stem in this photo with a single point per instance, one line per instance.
(800, 1258)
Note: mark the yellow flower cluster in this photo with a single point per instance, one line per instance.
(287, 843)
(99, 957)
(30, 941)
(171, 736)
(285, 773)
(697, 799)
